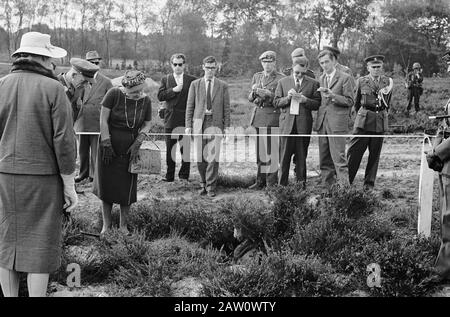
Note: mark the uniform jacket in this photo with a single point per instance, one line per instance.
(175, 113)
(36, 131)
(414, 81)
(344, 69)
(303, 120)
(336, 110)
(265, 114)
(196, 105)
(442, 150)
(74, 95)
(367, 94)
(88, 119)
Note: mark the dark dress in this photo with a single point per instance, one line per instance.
(113, 183)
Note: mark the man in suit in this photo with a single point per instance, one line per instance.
(373, 95)
(265, 119)
(208, 112)
(174, 91)
(87, 124)
(333, 118)
(336, 52)
(297, 96)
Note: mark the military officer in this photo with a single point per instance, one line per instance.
(265, 119)
(373, 94)
(336, 52)
(439, 160)
(81, 74)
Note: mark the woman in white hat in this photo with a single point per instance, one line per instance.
(37, 166)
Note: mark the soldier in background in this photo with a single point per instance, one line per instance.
(414, 81)
(439, 160)
(373, 95)
(265, 118)
(300, 52)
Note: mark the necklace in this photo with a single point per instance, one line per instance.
(135, 112)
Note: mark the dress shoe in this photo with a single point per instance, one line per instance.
(202, 192)
(168, 180)
(256, 186)
(211, 193)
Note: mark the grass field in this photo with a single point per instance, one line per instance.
(276, 242)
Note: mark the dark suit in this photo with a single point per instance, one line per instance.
(333, 119)
(87, 124)
(174, 118)
(200, 122)
(265, 119)
(295, 124)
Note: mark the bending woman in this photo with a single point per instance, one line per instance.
(124, 121)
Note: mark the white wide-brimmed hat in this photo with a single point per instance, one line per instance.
(39, 44)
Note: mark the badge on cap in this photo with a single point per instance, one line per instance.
(269, 56)
(375, 59)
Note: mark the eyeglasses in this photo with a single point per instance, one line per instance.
(177, 64)
(210, 67)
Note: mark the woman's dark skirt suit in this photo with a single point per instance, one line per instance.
(113, 183)
(37, 143)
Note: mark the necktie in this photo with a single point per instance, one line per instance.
(327, 81)
(208, 96)
(297, 85)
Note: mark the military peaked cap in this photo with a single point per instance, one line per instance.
(298, 52)
(85, 68)
(269, 56)
(375, 59)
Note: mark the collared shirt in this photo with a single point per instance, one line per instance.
(376, 80)
(300, 80)
(178, 78)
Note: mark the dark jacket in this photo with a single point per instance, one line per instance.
(175, 113)
(36, 132)
(304, 120)
(88, 119)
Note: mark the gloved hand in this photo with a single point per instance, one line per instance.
(107, 151)
(133, 150)
(434, 162)
(70, 195)
(162, 112)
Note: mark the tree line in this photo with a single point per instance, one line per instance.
(236, 31)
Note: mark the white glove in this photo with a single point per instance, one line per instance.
(70, 195)
(188, 131)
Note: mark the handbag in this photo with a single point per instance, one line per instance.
(149, 161)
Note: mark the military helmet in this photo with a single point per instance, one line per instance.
(416, 66)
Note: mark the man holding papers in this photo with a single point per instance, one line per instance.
(296, 96)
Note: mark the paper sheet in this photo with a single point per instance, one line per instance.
(295, 107)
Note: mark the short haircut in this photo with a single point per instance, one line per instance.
(300, 60)
(209, 60)
(325, 53)
(179, 56)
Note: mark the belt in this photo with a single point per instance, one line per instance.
(374, 108)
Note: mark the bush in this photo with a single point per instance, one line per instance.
(277, 274)
(145, 268)
(158, 219)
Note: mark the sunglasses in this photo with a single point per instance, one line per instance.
(177, 64)
(376, 67)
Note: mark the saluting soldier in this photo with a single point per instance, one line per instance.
(265, 119)
(373, 95)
